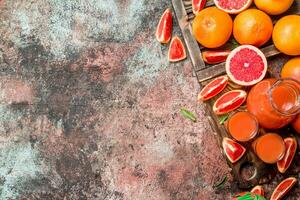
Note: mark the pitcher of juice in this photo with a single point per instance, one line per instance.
(274, 102)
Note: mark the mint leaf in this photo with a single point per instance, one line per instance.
(187, 114)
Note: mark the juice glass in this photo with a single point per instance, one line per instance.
(242, 126)
(269, 148)
(274, 102)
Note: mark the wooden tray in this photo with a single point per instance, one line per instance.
(262, 173)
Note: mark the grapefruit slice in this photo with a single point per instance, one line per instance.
(233, 6)
(246, 65)
(176, 50)
(233, 150)
(259, 190)
(285, 162)
(229, 101)
(164, 28)
(214, 57)
(198, 5)
(283, 188)
(213, 88)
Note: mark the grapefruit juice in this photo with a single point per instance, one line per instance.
(269, 148)
(274, 103)
(242, 126)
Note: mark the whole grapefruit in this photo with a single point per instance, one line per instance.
(212, 27)
(291, 69)
(273, 7)
(286, 35)
(252, 27)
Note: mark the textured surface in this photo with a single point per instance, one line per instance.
(90, 106)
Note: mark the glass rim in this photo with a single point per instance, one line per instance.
(253, 134)
(290, 112)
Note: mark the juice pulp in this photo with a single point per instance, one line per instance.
(242, 126)
(269, 148)
(268, 108)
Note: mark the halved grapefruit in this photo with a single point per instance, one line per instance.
(176, 50)
(285, 162)
(246, 65)
(198, 5)
(233, 6)
(233, 150)
(164, 28)
(283, 188)
(213, 88)
(229, 101)
(258, 190)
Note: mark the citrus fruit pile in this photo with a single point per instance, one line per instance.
(246, 66)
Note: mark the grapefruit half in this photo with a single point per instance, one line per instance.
(246, 65)
(233, 6)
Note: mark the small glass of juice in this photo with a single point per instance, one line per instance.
(242, 126)
(269, 148)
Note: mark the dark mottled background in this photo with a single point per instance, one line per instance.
(90, 106)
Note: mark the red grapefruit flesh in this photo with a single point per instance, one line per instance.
(285, 162)
(198, 5)
(176, 50)
(164, 28)
(246, 65)
(233, 6)
(229, 101)
(259, 190)
(214, 57)
(283, 188)
(233, 150)
(213, 88)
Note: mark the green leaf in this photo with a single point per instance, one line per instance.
(220, 185)
(250, 196)
(187, 114)
(234, 43)
(223, 118)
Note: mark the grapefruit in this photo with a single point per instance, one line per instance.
(252, 27)
(259, 190)
(233, 6)
(176, 50)
(286, 35)
(164, 28)
(198, 5)
(229, 101)
(283, 188)
(273, 7)
(233, 150)
(296, 123)
(291, 69)
(285, 162)
(246, 65)
(214, 57)
(213, 88)
(212, 27)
